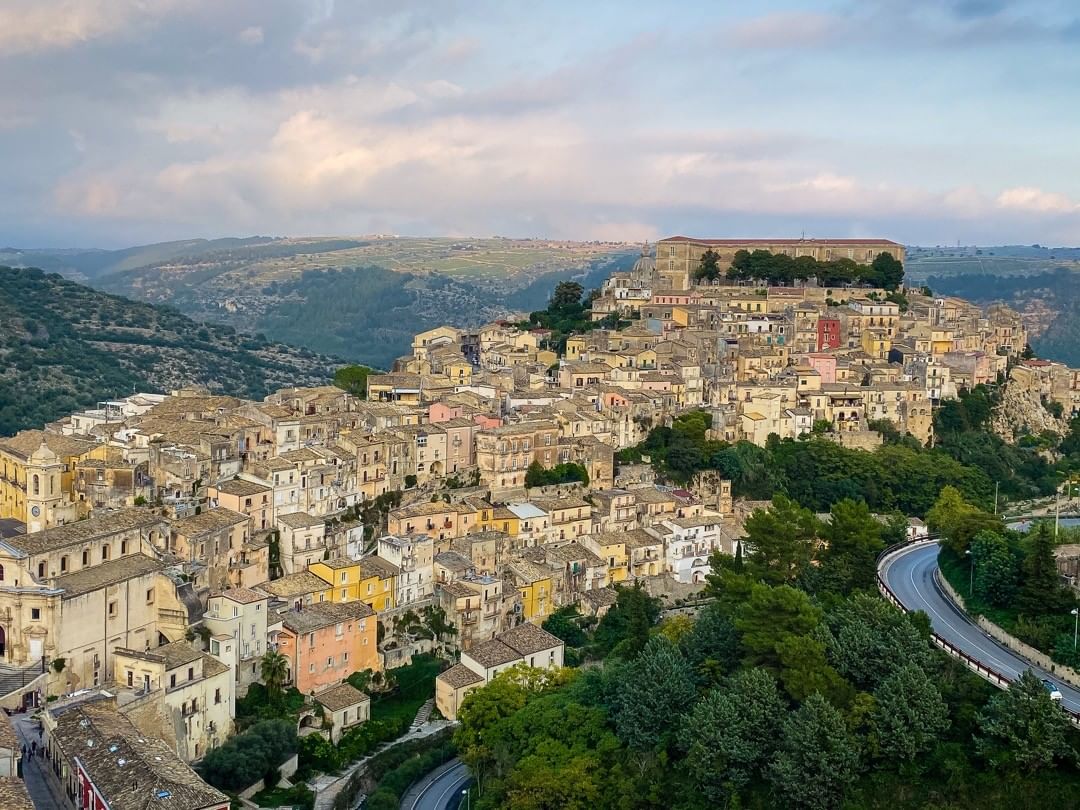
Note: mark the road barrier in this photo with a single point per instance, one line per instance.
(975, 665)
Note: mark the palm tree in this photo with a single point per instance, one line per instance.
(274, 667)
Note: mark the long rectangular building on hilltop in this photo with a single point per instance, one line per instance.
(678, 256)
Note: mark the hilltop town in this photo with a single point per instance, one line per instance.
(156, 549)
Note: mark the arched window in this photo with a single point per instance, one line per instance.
(37, 484)
(1, 573)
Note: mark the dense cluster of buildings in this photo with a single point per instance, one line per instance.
(158, 546)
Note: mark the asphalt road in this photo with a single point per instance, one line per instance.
(442, 792)
(910, 576)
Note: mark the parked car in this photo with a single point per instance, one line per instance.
(1051, 687)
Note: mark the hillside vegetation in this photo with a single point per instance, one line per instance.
(64, 346)
(362, 299)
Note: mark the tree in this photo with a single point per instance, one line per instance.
(656, 689)
(886, 271)
(709, 266)
(481, 711)
(958, 521)
(805, 670)
(910, 715)
(817, 760)
(1023, 728)
(565, 625)
(868, 638)
(353, 379)
(768, 618)
(852, 542)
(624, 629)
(712, 645)
(1041, 590)
(567, 294)
(274, 668)
(995, 568)
(731, 734)
(781, 541)
(248, 757)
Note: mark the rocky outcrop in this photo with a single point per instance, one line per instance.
(1020, 412)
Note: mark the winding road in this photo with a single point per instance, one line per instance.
(442, 791)
(909, 574)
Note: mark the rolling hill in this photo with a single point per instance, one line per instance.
(65, 346)
(361, 299)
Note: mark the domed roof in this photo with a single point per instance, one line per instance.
(646, 264)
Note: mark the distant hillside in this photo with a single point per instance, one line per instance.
(1048, 301)
(64, 346)
(361, 299)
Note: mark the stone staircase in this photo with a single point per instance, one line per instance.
(423, 715)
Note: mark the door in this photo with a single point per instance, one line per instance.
(37, 648)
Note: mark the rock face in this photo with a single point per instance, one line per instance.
(1021, 412)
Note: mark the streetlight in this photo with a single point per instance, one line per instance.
(971, 572)
(468, 798)
(1076, 625)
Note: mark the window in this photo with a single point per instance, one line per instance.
(311, 639)
(37, 484)
(105, 552)
(35, 614)
(329, 662)
(130, 678)
(344, 658)
(217, 696)
(63, 565)
(150, 596)
(191, 673)
(311, 667)
(123, 546)
(41, 570)
(172, 679)
(112, 608)
(344, 576)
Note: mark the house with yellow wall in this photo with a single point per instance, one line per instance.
(342, 575)
(534, 587)
(48, 460)
(378, 582)
(610, 547)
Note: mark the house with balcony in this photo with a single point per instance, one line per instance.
(413, 556)
(192, 691)
(237, 621)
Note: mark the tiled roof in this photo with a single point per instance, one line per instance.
(528, 638)
(460, 675)
(241, 488)
(107, 573)
(25, 442)
(13, 794)
(324, 614)
(243, 596)
(130, 771)
(341, 697)
(492, 653)
(298, 584)
(209, 521)
(300, 520)
(82, 531)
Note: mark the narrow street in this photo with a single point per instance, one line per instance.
(43, 785)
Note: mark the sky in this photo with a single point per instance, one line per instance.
(926, 121)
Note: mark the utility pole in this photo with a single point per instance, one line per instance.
(997, 486)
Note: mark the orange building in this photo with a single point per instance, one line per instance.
(328, 641)
(246, 497)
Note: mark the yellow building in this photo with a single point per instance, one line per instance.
(876, 343)
(36, 476)
(612, 549)
(378, 583)
(534, 587)
(343, 576)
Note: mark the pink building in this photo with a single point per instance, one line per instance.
(823, 364)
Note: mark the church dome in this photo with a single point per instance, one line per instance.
(646, 264)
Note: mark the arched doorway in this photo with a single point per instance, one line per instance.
(3, 644)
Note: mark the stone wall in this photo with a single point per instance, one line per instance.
(1042, 660)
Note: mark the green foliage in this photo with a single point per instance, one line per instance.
(868, 638)
(274, 668)
(565, 624)
(353, 380)
(537, 476)
(731, 734)
(85, 346)
(852, 538)
(709, 266)
(817, 759)
(247, 757)
(1023, 729)
(1041, 590)
(654, 690)
(770, 617)
(778, 268)
(910, 715)
(781, 541)
(624, 629)
(995, 568)
(712, 645)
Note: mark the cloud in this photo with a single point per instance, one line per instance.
(787, 29)
(1036, 200)
(32, 25)
(252, 35)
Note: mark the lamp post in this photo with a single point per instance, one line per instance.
(1076, 625)
(971, 572)
(468, 798)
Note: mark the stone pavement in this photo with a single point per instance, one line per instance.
(44, 786)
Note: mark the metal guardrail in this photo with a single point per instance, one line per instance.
(975, 665)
